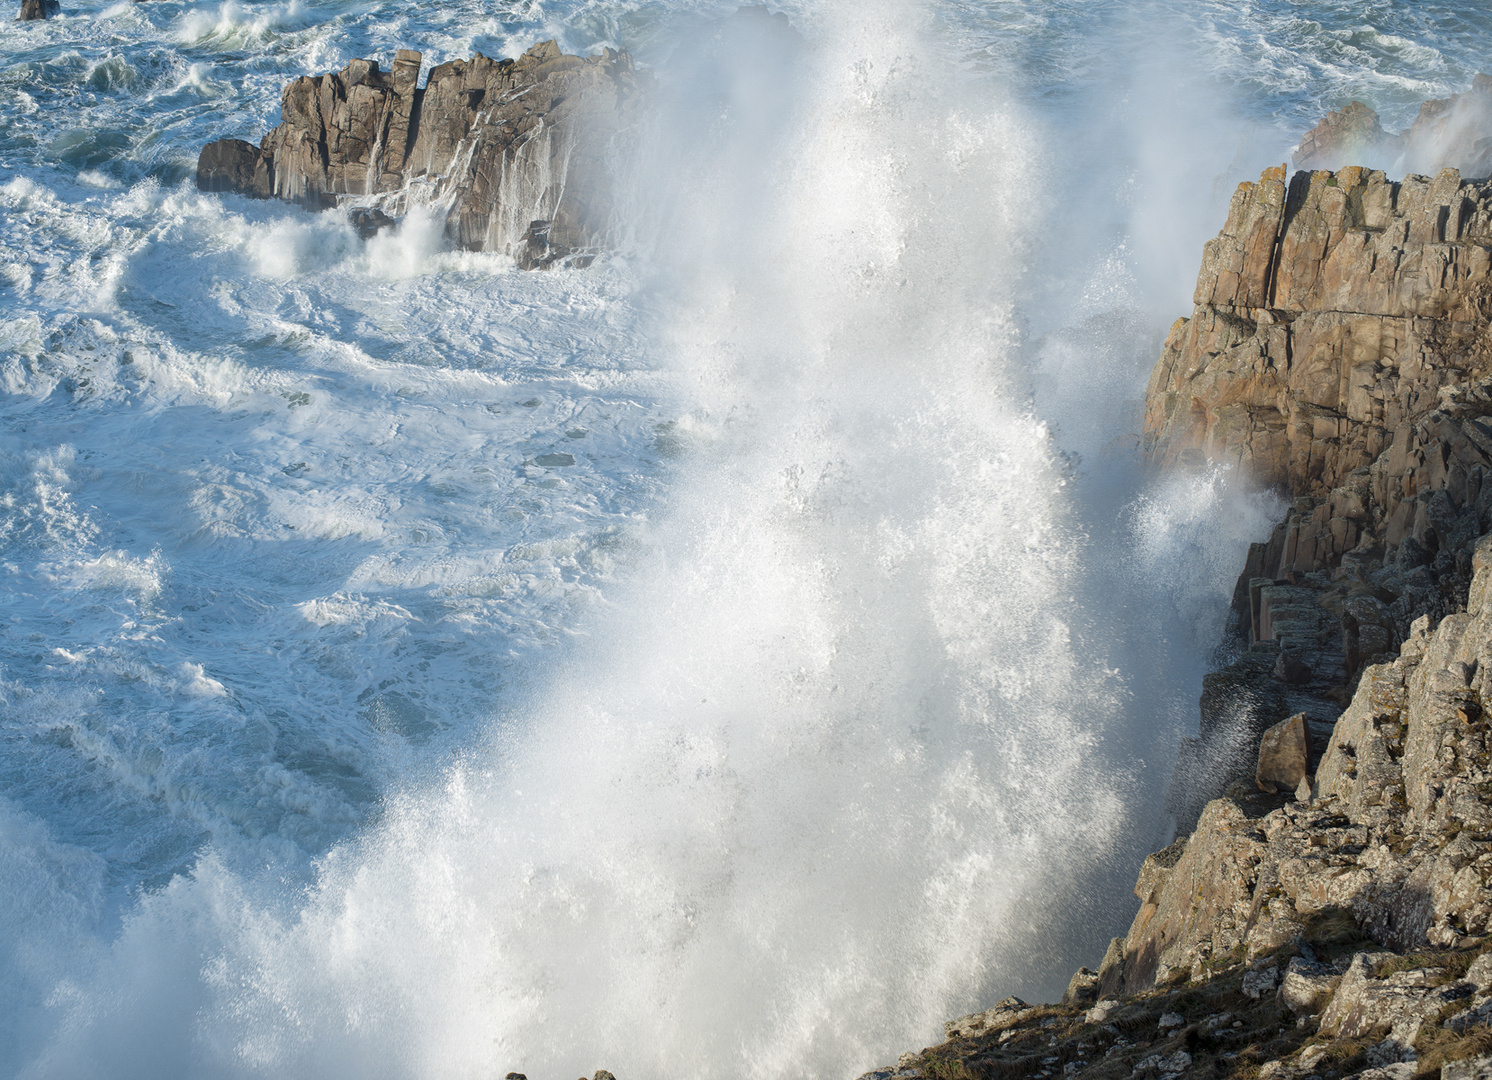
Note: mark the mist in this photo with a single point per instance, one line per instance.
(873, 720)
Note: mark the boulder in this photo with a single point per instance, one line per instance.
(1307, 985)
(1282, 755)
(1403, 1002)
(1082, 988)
(38, 9)
(237, 166)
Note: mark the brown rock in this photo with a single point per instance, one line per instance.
(503, 145)
(1282, 755)
(1337, 351)
(1351, 136)
(37, 9)
(234, 165)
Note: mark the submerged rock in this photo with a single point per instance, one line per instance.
(514, 152)
(370, 222)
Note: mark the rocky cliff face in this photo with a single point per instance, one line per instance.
(1330, 914)
(515, 152)
(1337, 350)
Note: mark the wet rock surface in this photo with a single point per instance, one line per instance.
(513, 152)
(38, 9)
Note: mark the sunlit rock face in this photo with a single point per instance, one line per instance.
(514, 151)
(1337, 350)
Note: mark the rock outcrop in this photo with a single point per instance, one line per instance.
(1343, 930)
(1330, 915)
(1449, 133)
(514, 152)
(38, 9)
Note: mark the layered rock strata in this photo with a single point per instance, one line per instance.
(515, 153)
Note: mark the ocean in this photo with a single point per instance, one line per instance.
(729, 660)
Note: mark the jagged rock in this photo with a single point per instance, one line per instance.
(1479, 1068)
(1261, 983)
(38, 9)
(1335, 351)
(601, 1074)
(237, 166)
(1454, 132)
(502, 146)
(1003, 1014)
(1307, 985)
(1351, 135)
(370, 222)
(1082, 988)
(1405, 1071)
(1399, 837)
(1282, 755)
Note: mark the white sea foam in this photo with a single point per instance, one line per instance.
(341, 736)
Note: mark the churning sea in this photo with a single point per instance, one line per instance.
(727, 661)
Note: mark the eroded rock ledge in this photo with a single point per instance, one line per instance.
(515, 153)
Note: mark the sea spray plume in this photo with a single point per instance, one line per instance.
(810, 784)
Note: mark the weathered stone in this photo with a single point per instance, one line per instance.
(1282, 755)
(38, 9)
(1479, 1068)
(1330, 315)
(1003, 1014)
(1349, 136)
(1307, 985)
(237, 166)
(370, 222)
(1082, 988)
(1260, 983)
(513, 151)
